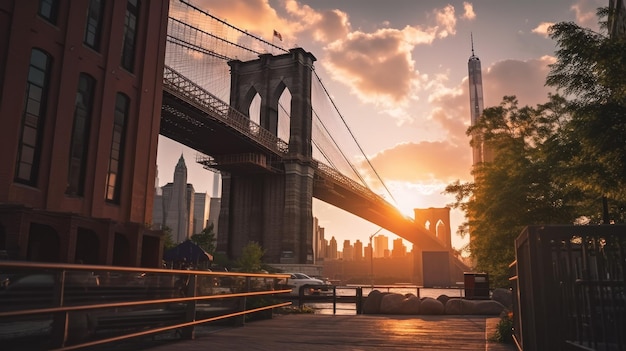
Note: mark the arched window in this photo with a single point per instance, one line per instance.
(80, 135)
(29, 149)
(116, 158)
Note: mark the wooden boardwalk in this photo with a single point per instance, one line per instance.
(304, 332)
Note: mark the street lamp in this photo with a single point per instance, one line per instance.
(372, 257)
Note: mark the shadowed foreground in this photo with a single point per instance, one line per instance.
(353, 332)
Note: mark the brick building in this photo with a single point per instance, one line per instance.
(80, 101)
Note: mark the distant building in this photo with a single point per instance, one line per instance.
(200, 212)
(348, 251)
(215, 204)
(399, 249)
(176, 210)
(332, 249)
(479, 151)
(80, 92)
(358, 250)
(381, 245)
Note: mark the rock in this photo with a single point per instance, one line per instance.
(391, 304)
(443, 299)
(455, 306)
(410, 305)
(372, 302)
(503, 296)
(488, 307)
(474, 307)
(431, 306)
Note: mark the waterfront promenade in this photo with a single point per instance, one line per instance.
(308, 332)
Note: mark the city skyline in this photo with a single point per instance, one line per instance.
(401, 71)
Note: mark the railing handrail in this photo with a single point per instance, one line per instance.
(29, 302)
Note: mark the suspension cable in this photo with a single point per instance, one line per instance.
(353, 138)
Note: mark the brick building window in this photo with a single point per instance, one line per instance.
(93, 28)
(80, 135)
(116, 159)
(49, 9)
(29, 148)
(130, 35)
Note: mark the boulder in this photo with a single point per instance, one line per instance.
(431, 306)
(372, 302)
(443, 299)
(503, 296)
(474, 307)
(391, 304)
(410, 305)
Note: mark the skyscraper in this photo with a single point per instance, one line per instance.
(175, 208)
(480, 152)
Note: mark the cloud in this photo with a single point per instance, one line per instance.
(450, 159)
(324, 26)
(468, 11)
(423, 162)
(379, 66)
(255, 16)
(585, 12)
(542, 28)
(446, 19)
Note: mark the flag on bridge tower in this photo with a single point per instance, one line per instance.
(277, 35)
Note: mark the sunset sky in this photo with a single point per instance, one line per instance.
(397, 70)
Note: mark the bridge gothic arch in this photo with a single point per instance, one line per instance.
(269, 76)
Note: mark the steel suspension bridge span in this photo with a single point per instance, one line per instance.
(209, 62)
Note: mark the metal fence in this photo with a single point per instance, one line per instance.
(66, 307)
(569, 288)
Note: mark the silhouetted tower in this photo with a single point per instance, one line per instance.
(480, 153)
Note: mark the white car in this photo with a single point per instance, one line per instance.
(296, 280)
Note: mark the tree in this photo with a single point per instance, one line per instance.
(591, 71)
(168, 242)
(205, 239)
(521, 186)
(250, 260)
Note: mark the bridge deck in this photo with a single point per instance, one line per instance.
(305, 332)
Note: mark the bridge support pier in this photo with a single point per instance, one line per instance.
(273, 209)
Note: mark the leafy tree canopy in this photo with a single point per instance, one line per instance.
(205, 239)
(250, 260)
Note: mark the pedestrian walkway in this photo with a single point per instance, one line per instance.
(304, 332)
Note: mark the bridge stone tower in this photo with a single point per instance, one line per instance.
(273, 207)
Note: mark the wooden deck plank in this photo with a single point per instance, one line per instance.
(346, 332)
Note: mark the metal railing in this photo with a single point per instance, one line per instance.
(569, 285)
(183, 88)
(67, 307)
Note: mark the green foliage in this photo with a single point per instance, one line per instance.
(591, 70)
(205, 239)
(296, 310)
(168, 243)
(250, 260)
(522, 186)
(504, 330)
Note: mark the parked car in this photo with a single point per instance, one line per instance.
(296, 280)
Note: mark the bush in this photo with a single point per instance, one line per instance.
(504, 329)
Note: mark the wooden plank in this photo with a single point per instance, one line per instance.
(305, 332)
